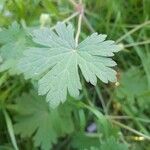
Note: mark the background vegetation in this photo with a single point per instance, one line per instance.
(25, 120)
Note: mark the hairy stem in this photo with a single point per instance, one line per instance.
(130, 129)
(133, 30)
(101, 99)
(79, 29)
(73, 3)
(67, 19)
(88, 24)
(128, 118)
(136, 44)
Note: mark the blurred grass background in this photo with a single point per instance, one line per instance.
(130, 96)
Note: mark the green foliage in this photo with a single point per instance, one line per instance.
(37, 125)
(36, 119)
(82, 142)
(13, 45)
(134, 88)
(57, 63)
(112, 144)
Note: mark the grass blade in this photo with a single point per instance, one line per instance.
(10, 129)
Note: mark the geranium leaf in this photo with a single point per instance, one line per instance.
(57, 61)
(36, 119)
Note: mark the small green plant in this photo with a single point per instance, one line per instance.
(54, 60)
(57, 60)
(45, 124)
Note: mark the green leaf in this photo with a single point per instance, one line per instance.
(134, 88)
(13, 45)
(36, 119)
(107, 129)
(83, 142)
(112, 144)
(10, 129)
(57, 63)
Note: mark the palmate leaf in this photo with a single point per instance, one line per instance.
(57, 61)
(13, 45)
(134, 89)
(36, 119)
